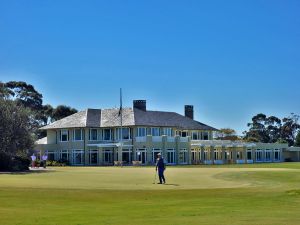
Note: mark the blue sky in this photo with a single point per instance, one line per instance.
(230, 59)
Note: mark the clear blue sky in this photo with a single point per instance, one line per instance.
(230, 59)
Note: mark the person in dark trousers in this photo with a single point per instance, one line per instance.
(161, 167)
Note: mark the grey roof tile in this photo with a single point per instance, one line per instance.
(131, 117)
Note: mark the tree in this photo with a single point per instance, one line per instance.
(16, 132)
(62, 111)
(227, 134)
(297, 141)
(25, 94)
(290, 128)
(272, 129)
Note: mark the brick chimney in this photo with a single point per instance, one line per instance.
(140, 104)
(189, 111)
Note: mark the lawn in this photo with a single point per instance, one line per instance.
(234, 194)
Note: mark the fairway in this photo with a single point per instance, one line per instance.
(233, 194)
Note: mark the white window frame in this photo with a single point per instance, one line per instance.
(152, 131)
(61, 152)
(257, 153)
(81, 134)
(90, 152)
(74, 151)
(139, 131)
(118, 131)
(66, 133)
(279, 155)
(167, 131)
(141, 151)
(197, 134)
(103, 134)
(268, 151)
(184, 152)
(172, 151)
(90, 134)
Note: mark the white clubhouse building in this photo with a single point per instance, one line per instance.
(96, 137)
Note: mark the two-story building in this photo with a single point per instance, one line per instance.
(99, 137)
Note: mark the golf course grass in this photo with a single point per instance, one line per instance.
(229, 194)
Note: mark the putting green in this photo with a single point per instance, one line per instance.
(260, 194)
(132, 178)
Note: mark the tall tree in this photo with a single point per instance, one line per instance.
(62, 111)
(227, 134)
(297, 141)
(290, 128)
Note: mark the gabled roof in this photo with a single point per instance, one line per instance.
(167, 119)
(130, 117)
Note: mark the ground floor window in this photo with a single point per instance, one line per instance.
(268, 155)
(277, 156)
(249, 154)
(108, 156)
(141, 155)
(126, 156)
(155, 151)
(171, 156)
(239, 155)
(93, 157)
(63, 156)
(205, 155)
(194, 154)
(77, 157)
(51, 155)
(217, 155)
(183, 156)
(259, 155)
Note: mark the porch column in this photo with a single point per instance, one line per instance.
(100, 156)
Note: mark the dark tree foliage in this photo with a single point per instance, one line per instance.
(272, 129)
(16, 134)
(62, 111)
(297, 141)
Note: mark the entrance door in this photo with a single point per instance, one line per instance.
(77, 157)
(108, 156)
(141, 155)
(171, 156)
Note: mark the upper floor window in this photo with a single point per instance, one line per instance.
(195, 135)
(184, 133)
(155, 131)
(93, 134)
(124, 133)
(167, 131)
(77, 135)
(64, 135)
(106, 134)
(205, 135)
(141, 131)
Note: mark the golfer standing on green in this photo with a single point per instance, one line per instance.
(160, 166)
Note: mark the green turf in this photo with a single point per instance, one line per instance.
(250, 194)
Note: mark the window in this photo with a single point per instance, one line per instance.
(277, 155)
(183, 155)
(78, 157)
(108, 156)
(155, 131)
(171, 156)
(64, 135)
(64, 155)
(77, 135)
(93, 135)
(141, 131)
(167, 131)
(205, 135)
(93, 157)
(123, 132)
(195, 135)
(205, 155)
(141, 155)
(106, 134)
(249, 154)
(184, 133)
(268, 155)
(259, 155)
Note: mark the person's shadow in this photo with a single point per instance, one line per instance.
(173, 184)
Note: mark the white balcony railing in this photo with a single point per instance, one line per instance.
(157, 138)
(140, 139)
(170, 139)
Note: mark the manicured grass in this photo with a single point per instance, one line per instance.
(256, 194)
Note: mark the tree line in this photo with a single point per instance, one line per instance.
(267, 129)
(22, 113)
